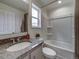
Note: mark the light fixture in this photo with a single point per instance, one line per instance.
(24, 0)
(59, 2)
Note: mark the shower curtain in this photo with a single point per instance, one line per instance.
(24, 26)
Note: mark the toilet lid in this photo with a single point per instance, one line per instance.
(49, 51)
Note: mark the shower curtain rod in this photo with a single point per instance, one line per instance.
(61, 17)
(49, 3)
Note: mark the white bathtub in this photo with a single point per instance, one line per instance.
(64, 50)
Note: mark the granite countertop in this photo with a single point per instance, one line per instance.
(14, 55)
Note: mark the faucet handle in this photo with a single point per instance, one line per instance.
(13, 39)
(18, 39)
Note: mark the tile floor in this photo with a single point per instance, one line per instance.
(58, 57)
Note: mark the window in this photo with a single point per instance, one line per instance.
(36, 16)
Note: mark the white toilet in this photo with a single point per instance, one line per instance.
(49, 53)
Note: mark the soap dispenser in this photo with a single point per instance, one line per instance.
(37, 35)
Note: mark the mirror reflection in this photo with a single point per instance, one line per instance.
(13, 16)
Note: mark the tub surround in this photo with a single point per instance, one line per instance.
(14, 55)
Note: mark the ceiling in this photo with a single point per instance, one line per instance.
(19, 4)
(44, 2)
(54, 3)
(64, 2)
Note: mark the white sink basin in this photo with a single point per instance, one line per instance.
(18, 46)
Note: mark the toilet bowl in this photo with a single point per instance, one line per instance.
(49, 53)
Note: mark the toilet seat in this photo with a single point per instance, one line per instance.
(48, 52)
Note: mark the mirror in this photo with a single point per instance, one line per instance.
(13, 16)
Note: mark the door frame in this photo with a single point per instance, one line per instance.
(77, 29)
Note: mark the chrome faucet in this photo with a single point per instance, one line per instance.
(18, 39)
(13, 40)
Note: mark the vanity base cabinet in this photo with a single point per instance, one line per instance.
(37, 53)
(24, 56)
(27, 57)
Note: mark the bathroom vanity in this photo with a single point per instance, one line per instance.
(34, 51)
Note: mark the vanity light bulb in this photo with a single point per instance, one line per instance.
(59, 2)
(24, 0)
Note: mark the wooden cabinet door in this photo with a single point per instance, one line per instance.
(26, 57)
(37, 53)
